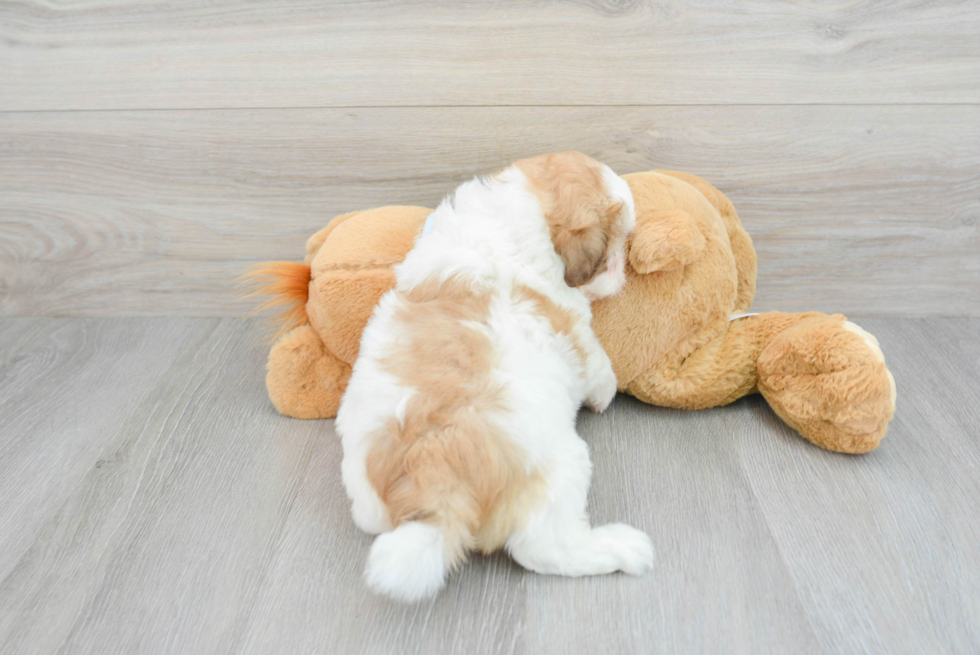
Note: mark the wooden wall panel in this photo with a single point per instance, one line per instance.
(119, 54)
(866, 210)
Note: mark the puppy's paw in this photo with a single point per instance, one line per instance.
(631, 547)
(603, 391)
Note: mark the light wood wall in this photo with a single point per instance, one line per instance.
(149, 151)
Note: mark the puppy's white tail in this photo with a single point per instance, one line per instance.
(409, 563)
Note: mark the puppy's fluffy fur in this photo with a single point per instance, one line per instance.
(458, 424)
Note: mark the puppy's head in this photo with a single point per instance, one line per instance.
(589, 210)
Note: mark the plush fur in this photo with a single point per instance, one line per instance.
(289, 285)
(691, 266)
(458, 422)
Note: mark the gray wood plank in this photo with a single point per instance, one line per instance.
(719, 583)
(65, 386)
(883, 547)
(866, 210)
(235, 53)
(14, 334)
(164, 541)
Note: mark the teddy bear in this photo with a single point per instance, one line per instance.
(679, 335)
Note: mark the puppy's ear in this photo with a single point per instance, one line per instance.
(576, 204)
(583, 244)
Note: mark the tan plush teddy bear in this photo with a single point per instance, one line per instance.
(677, 334)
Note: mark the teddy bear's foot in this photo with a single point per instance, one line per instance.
(304, 379)
(826, 377)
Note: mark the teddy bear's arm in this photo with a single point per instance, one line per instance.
(665, 240)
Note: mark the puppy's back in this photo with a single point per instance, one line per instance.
(451, 479)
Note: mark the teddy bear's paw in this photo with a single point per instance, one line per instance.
(827, 379)
(872, 343)
(304, 379)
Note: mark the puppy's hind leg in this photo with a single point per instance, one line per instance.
(557, 538)
(370, 514)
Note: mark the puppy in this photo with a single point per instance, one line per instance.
(458, 423)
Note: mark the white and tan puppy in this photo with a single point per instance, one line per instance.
(458, 423)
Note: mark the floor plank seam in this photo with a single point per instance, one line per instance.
(487, 106)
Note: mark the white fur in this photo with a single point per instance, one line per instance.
(407, 564)
(492, 232)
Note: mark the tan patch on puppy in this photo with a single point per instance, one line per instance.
(443, 460)
(562, 320)
(577, 205)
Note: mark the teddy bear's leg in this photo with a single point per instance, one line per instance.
(304, 379)
(718, 369)
(826, 377)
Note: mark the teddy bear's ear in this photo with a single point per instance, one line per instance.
(315, 242)
(665, 240)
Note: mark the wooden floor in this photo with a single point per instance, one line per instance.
(151, 500)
